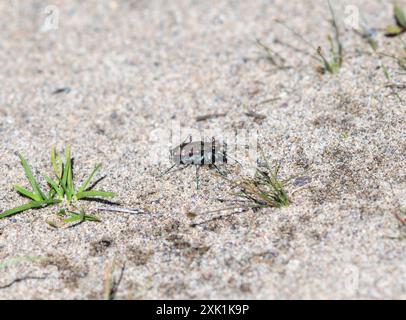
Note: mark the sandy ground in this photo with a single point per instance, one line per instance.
(132, 67)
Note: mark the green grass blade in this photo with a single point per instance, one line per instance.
(86, 183)
(94, 193)
(71, 186)
(339, 55)
(62, 186)
(54, 186)
(30, 177)
(66, 168)
(30, 205)
(56, 163)
(83, 216)
(386, 72)
(92, 218)
(327, 65)
(51, 193)
(392, 31)
(73, 218)
(69, 181)
(400, 17)
(67, 175)
(27, 193)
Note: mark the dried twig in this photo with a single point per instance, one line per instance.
(110, 284)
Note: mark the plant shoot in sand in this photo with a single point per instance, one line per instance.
(265, 189)
(62, 189)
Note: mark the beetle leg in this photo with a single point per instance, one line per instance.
(197, 177)
(169, 170)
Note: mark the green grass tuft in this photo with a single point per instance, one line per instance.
(62, 189)
(64, 186)
(265, 189)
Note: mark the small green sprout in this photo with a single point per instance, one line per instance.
(62, 189)
(400, 27)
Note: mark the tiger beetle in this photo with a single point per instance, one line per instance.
(198, 153)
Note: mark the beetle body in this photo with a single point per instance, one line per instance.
(199, 153)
